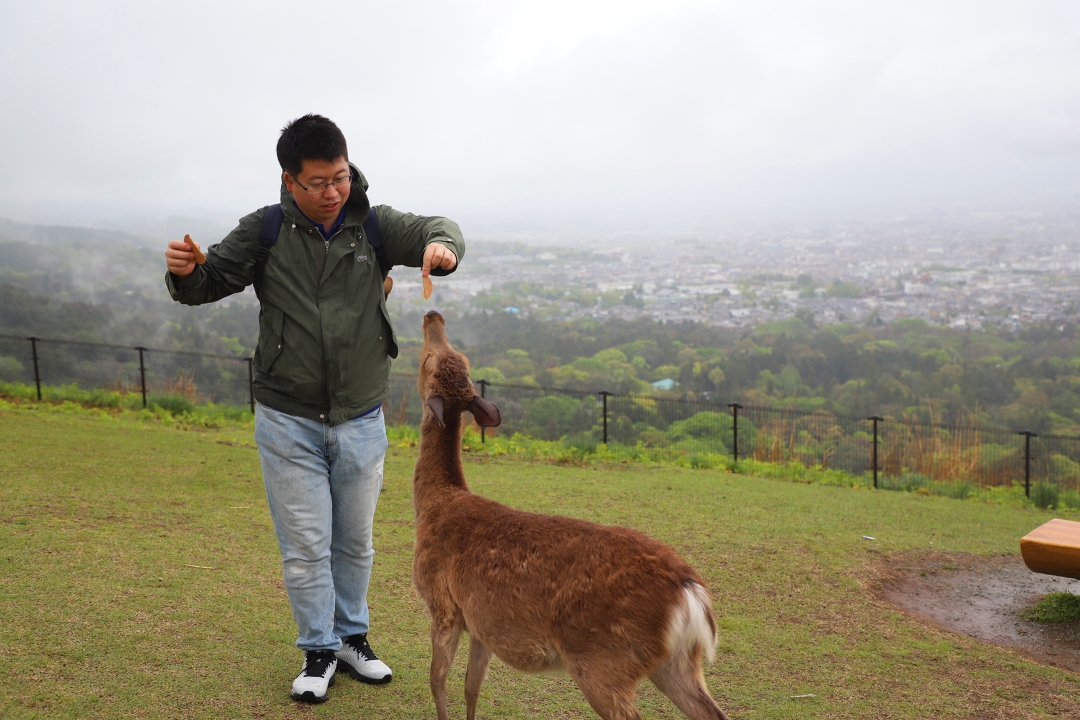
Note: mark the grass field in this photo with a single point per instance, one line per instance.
(140, 578)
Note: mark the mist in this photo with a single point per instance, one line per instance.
(526, 116)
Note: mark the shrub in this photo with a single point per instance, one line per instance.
(585, 442)
(11, 370)
(1064, 468)
(710, 431)
(653, 438)
(956, 490)
(1055, 607)
(553, 416)
(409, 436)
(795, 471)
(1070, 499)
(175, 404)
(702, 460)
(1045, 495)
(908, 481)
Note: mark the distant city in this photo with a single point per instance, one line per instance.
(964, 272)
(986, 271)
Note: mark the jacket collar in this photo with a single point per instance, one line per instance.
(356, 208)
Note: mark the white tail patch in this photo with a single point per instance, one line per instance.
(692, 624)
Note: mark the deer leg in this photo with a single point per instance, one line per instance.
(681, 680)
(479, 659)
(445, 633)
(612, 698)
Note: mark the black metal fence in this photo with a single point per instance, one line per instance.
(196, 377)
(891, 453)
(894, 452)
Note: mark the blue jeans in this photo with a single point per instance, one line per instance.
(322, 484)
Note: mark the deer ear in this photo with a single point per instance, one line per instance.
(435, 402)
(485, 413)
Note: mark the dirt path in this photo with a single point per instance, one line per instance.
(983, 597)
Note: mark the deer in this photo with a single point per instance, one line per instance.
(544, 593)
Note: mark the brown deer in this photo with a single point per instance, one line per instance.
(608, 605)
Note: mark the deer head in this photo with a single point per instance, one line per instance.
(444, 382)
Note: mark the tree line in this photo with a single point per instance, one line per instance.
(1025, 379)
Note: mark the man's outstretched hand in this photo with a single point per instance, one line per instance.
(435, 256)
(179, 258)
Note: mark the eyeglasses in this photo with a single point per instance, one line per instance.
(319, 188)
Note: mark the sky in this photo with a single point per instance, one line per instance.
(545, 116)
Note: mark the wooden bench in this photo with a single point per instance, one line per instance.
(1053, 548)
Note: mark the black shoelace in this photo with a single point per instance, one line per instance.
(360, 644)
(318, 661)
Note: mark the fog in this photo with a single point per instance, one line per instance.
(544, 116)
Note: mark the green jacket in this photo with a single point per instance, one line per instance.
(325, 343)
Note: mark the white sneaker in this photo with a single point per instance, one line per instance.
(359, 660)
(316, 677)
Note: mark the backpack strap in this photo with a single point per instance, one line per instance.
(374, 238)
(271, 226)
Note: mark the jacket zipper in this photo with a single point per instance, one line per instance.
(326, 369)
(326, 241)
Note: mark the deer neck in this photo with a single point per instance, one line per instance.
(439, 474)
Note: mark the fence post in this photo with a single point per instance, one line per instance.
(251, 382)
(875, 419)
(735, 430)
(604, 395)
(483, 388)
(37, 373)
(142, 374)
(1027, 460)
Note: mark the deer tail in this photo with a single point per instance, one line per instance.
(692, 628)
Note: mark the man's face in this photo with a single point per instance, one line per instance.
(323, 207)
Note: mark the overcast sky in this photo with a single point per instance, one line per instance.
(561, 113)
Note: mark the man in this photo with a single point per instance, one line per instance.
(322, 371)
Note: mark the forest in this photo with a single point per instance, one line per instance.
(1024, 380)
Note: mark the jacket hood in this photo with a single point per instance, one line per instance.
(357, 203)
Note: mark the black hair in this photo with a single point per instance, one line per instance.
(311, 137)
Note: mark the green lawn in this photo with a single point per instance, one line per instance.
(103, 615)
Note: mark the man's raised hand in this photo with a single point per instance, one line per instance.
(437, 255)
(179, 259)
